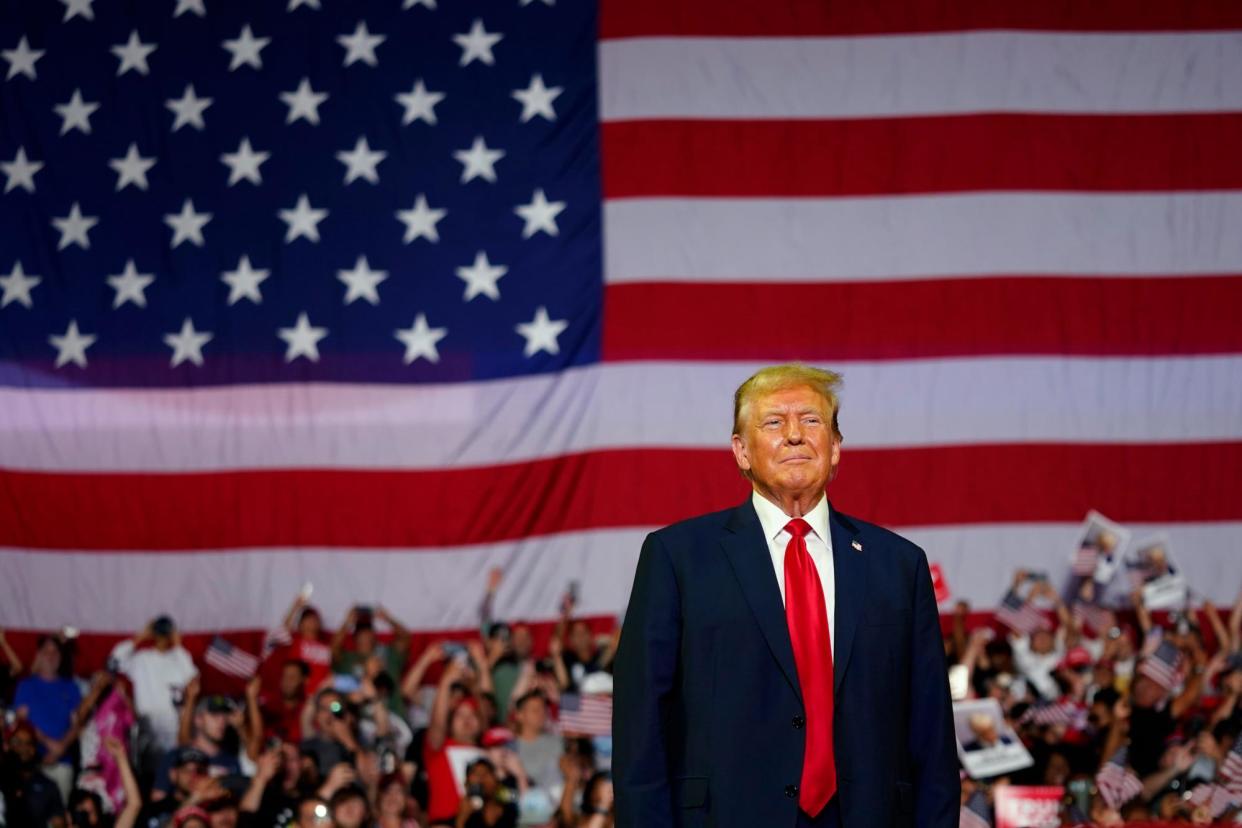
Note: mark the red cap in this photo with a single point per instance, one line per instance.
(497, 736)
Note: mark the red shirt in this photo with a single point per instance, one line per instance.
(442, 793)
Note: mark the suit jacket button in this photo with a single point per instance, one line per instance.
(798, 722)
(791, 791)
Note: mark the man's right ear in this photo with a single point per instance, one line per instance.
(740, 453)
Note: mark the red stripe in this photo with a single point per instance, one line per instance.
(648, 487)
(923, 319)
(919, 155)
(809, 18)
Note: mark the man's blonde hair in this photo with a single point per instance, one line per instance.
(783, 377)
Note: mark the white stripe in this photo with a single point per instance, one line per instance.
(907, 75)
(432, 589)
(919, 237)
(617, 405)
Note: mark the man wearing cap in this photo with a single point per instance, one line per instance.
(208, 728)
(187, 774)
(781, 664)
(159, 674)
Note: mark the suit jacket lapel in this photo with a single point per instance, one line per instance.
(850, 574)
(747, 550)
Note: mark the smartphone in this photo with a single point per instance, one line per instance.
(573, 592)
(306, 591)
(454, 649)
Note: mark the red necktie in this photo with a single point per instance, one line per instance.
(807, 616)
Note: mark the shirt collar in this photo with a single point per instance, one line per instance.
(773, 518)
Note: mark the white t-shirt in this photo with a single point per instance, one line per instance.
(159, 680)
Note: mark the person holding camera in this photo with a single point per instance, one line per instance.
(159, 674)
(487, 803)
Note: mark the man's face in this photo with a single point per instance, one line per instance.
(580, 637)
(350, 813)
(187, 777)
(787, 443)
(212, 726)
(323, 711)
(291, 681)
(521, 642)
(1147, 693)
(534, 714)
(48, 657)
(1042, 642)
(23, 746)
(364, 640)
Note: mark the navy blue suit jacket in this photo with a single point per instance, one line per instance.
(708, 716)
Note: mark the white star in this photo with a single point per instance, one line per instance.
(360, 46)
(73, 8)
(195, 6)
(187, 344)
(244, 282)
(361, 161)
(360, 283)
(20, 171)
(409, 4)
(303, 220)
(537, 99)
(244, 164)
(540, 214)
(420, 340)
(302, 339)
(130, 286)
(133, 55)
(541, 333)
(481, 278)
(310, 4)
(74, 227)
(419, 104)
(132, 169)
(188, 109)
(22, 59)
(477, 44)
(420, 221)
(17, 286)
(187, 225)
(71, 347)
(76, 114)
(478, 161)
(303, 102)
(245, 49)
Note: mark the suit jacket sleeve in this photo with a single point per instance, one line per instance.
(933, 746)
(644, 679)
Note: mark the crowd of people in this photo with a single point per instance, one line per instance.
(1135, 714)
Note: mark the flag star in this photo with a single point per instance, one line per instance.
(20, 171)
(76, 114)
(419, 104)
(195, 6)
(22, 59)
(133, 55)
(420, 221)
(541, 333)
(245, 49)
(130, 286)
(188, 109)
(409, 4)
(73, 8)
(540, 214)
(420, 340)
(361, 45)
(477, 44)
(244, 282)
(132, 169)
(310, 4)
(303, 102)
(187, 344)
(17, 286)
(72, 345)
(187, 225)
(74, 227)
(481, 278)
(361, 162)
(478, 161)
(361, 282)
(244, 164)
(537, 99)
(303, 220)
(302, 339)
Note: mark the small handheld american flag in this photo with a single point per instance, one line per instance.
(586, 715)
(230, 660)
(976, 813)
(1018, 615)
(1117, 783)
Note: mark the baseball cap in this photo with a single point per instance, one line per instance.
(189, 755)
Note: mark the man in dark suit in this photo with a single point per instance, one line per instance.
(781, 664)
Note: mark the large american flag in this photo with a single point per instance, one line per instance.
(379, 295)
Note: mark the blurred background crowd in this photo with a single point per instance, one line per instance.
(1134, 713)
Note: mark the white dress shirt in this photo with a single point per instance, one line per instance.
(818, 543)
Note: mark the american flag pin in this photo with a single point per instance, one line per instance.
(856, 545)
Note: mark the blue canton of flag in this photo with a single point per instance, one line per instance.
(204, 192)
